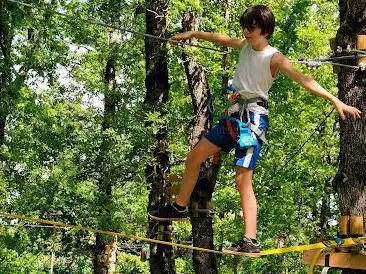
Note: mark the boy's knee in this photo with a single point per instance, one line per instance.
(243, 177)
(243, 172)
(193, 159)
(240, 183)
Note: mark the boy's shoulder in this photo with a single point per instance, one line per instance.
(278, 58)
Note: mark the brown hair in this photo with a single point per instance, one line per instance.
(260, 16)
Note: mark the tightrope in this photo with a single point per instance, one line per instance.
(349, 242)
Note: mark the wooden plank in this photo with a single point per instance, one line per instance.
(344, 225)
(361, 42)
(356, 225)
(339, 260)
(361, 61)
(361, 45)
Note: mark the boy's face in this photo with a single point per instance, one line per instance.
(253, 34)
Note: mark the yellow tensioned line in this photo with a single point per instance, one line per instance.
(314, 260)
(347, 242)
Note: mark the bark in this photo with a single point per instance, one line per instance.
(157, 89)
(324, 214)
(105, 251)
(202, 230)
(350, 181)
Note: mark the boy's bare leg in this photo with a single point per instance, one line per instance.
(195, 158)
(248, 201)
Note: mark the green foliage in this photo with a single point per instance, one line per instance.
(131, 264)
(54, 133)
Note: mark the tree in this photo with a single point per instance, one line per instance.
(202, 230)
(349, 182)
(157, 88)
(105, 252)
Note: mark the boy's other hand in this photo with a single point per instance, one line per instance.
(344, 110)
(233, 97)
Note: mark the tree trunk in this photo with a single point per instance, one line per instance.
(350, 181)
(157, 88)
(202, 230)
(6, 38)
(105, 251)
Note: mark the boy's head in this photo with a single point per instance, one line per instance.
(258, 16)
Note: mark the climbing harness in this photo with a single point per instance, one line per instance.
(249, 133)
(246, 129)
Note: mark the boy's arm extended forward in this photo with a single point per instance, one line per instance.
(217, 38)
(280, 62)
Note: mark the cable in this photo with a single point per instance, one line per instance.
(173, 42)
(333, 58)
(307, 140)
(34, 226)
(317, 63)
(343, 57)
(358, 51)
(183, 44)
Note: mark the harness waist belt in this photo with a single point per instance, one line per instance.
(258, 100)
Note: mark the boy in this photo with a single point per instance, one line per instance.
(259, 63)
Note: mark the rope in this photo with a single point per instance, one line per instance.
(34, 226)
(349, 242)
(315, 260)
(110, 233)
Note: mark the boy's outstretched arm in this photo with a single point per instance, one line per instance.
(217, 38)
(280, 62)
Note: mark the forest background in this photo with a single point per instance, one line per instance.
(54, 133)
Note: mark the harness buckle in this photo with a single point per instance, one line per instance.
(246, 138)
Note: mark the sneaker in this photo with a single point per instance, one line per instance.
(247, 246)
(170, 213)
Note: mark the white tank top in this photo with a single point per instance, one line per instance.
(253, 77)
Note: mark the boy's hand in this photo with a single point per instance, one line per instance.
(182, 36)
(344, 110)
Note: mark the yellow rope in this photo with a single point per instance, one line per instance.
(315, 260)
(120, 235)
(347, 242)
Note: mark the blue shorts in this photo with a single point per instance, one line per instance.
(244, 157)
